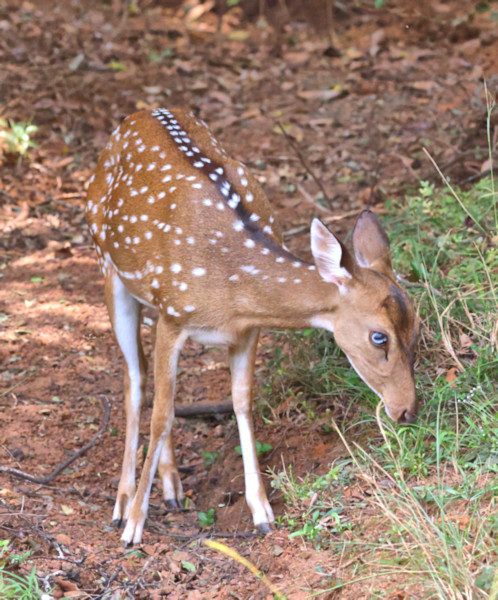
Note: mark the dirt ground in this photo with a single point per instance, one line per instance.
(357, 101)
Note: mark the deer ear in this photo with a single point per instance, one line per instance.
(329, 255)
(371, 244)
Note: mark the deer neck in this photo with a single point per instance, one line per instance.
(287, 294)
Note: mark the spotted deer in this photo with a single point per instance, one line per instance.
(181, 227)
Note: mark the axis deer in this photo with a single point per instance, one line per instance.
(181, 227)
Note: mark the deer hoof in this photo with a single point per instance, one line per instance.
(264, 528)
(118, 523)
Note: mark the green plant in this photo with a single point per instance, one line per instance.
(210, 458)
(441, 548)
(207, 519)
(313, 513)
(12, 585)
(16, 137)
(157, 57)
(261, 448)
(432, 486)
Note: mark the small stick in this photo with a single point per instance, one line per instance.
(47, 478)
(294, 146)
(454, 194)
(203, 408)
(305, 228)
(413, 284)
(305, 195)
(14, 386)
(109, 582)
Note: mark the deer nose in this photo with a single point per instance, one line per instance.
(407, 417)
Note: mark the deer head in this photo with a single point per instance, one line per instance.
(373, 322)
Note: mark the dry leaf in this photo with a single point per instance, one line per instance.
(239, 35)
(465, 341)
(451, 375)
(424, 86)
(486, 165)
(377, 40)
(320, 94)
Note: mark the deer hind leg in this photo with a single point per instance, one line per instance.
(241, 357)
(169, 341)
(168, 472)
(124, 311)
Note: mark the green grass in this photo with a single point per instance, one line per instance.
(433, 485)
(15, 137)
(12, 585)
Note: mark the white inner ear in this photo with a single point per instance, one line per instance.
(362, 262)
(327, 253)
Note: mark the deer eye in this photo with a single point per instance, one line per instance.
(378, 338)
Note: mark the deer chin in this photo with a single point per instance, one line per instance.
(399, 413)
(402, 415)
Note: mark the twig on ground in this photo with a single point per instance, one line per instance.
(307, 197)
(203, 408)
(228, 536)
(477, 176)
(139, 580)
(294, 146)
(4, 393)
(305, 228)
(109, 583)
(412, 284)
(47, 478)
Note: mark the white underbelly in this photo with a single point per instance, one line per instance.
(211, 337)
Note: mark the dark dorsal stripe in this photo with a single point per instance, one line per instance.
(216, 173)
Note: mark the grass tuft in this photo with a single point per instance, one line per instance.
(433, 486)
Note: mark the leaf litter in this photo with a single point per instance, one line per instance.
(360, 104)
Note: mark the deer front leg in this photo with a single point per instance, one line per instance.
(169, 341)
(124, 312)
(242, 357)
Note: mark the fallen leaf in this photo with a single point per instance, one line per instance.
(239, 35)
(487, 165)
(465, 341)
(423, 86)
(451, 375)
(62, 538)
(377, 40)
(67, 510)
(320, 94)
(66, 585)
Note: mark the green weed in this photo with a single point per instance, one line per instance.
(314, 514)
(261, 448)
(207, 519)
(12, 585)
(432, 485)
(157, 57)
(16, 136)
(210, 458)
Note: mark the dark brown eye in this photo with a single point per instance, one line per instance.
(378, 338)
